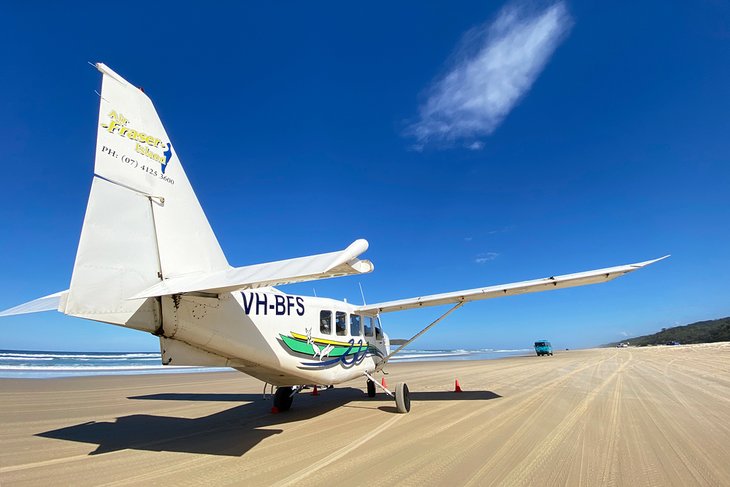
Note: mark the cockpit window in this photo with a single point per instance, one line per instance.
(355, 326)
(368, 326)
(378, 329)
(325, 322)
(341, 323)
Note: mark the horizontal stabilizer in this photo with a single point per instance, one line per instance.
(301, 269)
(46, 303)
(524, 287)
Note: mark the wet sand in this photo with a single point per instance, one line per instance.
(650, 416)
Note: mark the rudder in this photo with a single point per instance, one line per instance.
(143, 222)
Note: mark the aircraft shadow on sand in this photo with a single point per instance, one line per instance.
(231, 432)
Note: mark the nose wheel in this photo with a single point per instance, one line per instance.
(371, 388)
(283, 398)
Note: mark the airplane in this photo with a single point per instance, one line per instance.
(148, 260)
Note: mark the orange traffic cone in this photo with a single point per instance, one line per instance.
(382, 383)
(457, 387)
(314, 391)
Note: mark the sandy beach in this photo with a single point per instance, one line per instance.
(650, 416)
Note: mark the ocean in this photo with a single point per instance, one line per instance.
(32, 364)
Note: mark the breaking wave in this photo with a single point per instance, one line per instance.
(43, 364)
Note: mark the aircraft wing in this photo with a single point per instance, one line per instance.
(524, 287)
(46, 303)
(301, 269)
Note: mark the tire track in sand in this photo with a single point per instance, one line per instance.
(514, 414)
(522, 472)
(315, 467)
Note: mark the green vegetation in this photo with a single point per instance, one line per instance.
(700, 332)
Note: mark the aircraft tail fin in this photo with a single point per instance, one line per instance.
(143, 222)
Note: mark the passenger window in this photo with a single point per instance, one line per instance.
(368, 326)
(325, 322)
(378, 330)
(355, 326)
(341, 323)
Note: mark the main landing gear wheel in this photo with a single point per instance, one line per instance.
(371, 388)
(283, 398)
(402, 398)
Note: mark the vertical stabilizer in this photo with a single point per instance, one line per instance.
(143, 221)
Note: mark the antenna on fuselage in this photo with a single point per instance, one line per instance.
(362, 294)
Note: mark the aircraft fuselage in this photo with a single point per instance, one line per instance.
(279, 338)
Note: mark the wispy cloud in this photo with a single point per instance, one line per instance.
(485, 257)
(506, 229)
(476, 145)
(495, 65)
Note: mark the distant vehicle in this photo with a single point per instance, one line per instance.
(622, 345)
(673, 343)
(543, 347)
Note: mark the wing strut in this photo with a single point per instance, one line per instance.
(407, 342)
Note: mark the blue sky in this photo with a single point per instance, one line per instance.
(471, 144)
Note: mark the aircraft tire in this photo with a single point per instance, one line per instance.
(371, 388)
(402, 398)
(283, 398)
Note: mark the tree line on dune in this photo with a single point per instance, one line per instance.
(701, 332)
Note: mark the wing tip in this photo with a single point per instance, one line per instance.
(649, 262)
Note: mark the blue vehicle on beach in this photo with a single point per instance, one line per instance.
(543, 347)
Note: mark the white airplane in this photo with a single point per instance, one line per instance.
(148, 260)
